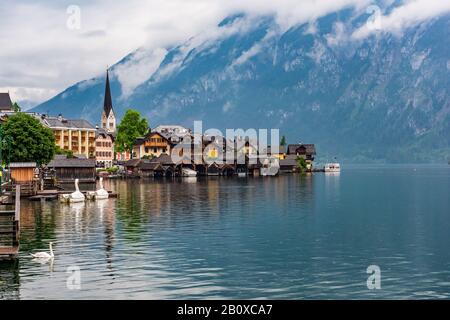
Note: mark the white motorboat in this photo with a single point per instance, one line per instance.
(188, 172)
(332, 167)
(270, 167)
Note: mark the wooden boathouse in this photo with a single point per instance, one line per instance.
(24, 174)
(66, 170)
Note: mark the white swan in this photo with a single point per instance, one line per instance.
(44, 255)
(101, 193)
(76, 196)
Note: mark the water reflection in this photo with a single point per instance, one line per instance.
(9, 280)
(296, 236)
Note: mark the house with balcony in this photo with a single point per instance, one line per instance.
(153, 144)
(77, 136)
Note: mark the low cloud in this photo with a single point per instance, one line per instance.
(409, 14)
(141, 65)
(41, 56)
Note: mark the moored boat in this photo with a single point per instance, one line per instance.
(332, 167)
(188, 173)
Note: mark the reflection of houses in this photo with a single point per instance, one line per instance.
(152, 145)
(77, 136)
(69, 169)
(104, 148)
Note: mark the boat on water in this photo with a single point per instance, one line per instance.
(270, 167)
(332, 167)
(188, 173)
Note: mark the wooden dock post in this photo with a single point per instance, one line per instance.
(17, 215)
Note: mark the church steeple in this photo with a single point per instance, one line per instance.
(108, 117)
(107, 104)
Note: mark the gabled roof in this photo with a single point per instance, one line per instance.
(142, 140)
(22, 165)
(132, 163)
(309, 148)
(71, 163)
(5, 101)
(148, 165)
(104, 133)
(163, 159)
(60, 122)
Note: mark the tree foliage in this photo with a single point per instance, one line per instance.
(25, 139)
(130, 128)
(283, 141)
(16, 107)
(68, 153)
(301, 163)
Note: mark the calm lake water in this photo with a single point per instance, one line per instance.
(288, 237)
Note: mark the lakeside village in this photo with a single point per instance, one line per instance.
(86, 152)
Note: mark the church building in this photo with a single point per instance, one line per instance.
(105, 136)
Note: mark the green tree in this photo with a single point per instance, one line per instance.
(68, 153)
(28, 140)
(131, 127)
(283, 141)
(16, 107)
(301, 164)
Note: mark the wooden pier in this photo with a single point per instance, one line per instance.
(10, 230)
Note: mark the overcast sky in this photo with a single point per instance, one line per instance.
(43, 49)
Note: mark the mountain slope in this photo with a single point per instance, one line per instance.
(381, 98)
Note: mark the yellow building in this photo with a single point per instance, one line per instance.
(280, 153)
(77, 136)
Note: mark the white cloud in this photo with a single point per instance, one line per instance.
(410, 13)
(141, 66)
(31, 94)
(39, 54)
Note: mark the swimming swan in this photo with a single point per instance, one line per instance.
(44, 255)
